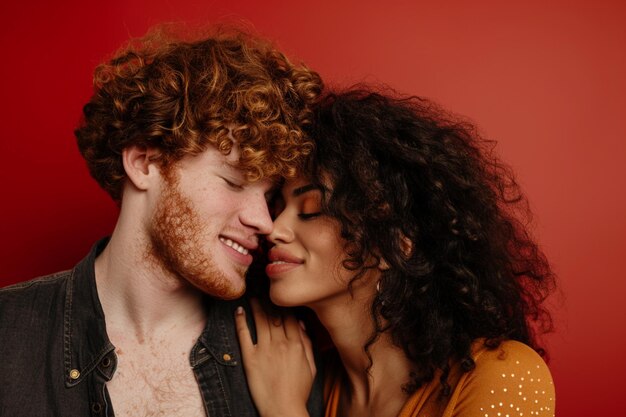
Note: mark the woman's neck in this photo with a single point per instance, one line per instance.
(374, 390)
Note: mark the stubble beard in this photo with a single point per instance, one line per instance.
(176, 236)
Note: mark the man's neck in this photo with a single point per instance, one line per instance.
(138, 296)
(153, 319)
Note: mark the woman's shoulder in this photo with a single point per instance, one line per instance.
(510, 366)
(510, 355)
(510, 379)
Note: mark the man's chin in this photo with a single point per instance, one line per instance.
(232, 295)
(222, 287)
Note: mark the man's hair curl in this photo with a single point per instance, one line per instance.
(179, 96)
(398, 170)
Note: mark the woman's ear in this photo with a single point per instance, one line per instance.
(382, 265)
(139, 164)
(406, 246)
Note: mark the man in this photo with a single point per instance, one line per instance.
(188, 137)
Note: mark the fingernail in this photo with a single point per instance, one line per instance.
(302, 324)
(239, 310)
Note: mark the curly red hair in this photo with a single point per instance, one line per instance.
(180, 96)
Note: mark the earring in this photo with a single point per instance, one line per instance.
(378, 291)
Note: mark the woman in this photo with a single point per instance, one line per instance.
(407, 238)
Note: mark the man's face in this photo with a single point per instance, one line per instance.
(207, 220)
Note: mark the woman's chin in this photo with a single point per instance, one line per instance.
(284, 300)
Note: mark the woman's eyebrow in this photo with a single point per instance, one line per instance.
(304, 189)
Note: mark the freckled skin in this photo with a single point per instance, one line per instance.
(176, 236)
(195, 208)
(154, 378)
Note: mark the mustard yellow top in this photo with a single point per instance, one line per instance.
(509, 381)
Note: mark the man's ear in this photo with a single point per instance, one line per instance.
(140, 166)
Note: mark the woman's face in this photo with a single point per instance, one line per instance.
(305, 262)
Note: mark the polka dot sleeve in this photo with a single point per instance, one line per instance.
(510, 381)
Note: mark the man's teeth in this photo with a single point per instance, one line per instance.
(234, 245)
(279, 262)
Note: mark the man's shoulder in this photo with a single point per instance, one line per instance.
(37, 283)
(32, 342)
(37, 297)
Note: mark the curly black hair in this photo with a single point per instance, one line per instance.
(419, 188)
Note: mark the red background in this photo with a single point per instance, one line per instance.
(545, 80)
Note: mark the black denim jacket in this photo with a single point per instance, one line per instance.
(55, 356)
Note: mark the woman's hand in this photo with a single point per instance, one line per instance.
(280, 367)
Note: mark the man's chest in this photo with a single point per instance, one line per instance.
(154, 383)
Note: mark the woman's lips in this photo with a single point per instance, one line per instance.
(281, 261)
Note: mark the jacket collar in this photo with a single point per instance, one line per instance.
(220, 335)
(85, 341)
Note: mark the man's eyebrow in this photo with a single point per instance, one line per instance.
(233, 168)
(304, 189)
(233, 172)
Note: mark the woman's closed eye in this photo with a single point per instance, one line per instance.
(308, 216)
(310, 206)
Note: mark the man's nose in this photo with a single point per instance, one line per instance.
(256, 214)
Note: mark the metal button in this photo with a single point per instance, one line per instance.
(106, 362)
(96, 408)
(227, 357)
(74, 374)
